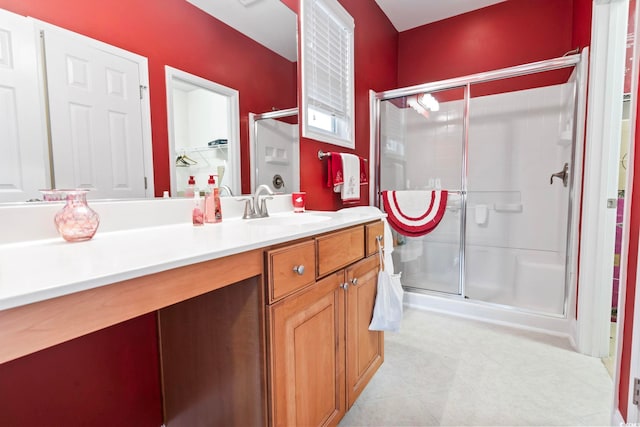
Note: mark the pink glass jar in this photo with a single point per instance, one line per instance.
(76, 221)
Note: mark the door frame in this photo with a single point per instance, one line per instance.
(602, 152)
(633, 411)
(233, 123)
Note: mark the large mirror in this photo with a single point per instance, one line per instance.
(180, 35)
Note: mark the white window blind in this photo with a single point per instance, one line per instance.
(327, 63)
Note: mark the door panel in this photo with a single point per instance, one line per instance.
(23, 165)
(517, 213)
(365, 348)
(423, 149)
(96, 117)
(307, 350)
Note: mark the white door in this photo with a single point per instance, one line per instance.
(24, 168)
(277, 154)
(96, 117)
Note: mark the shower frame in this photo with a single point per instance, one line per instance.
(465, 82)
(253, 136)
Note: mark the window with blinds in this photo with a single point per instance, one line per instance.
(327, 72)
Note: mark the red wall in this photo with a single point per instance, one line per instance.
(107, 378)
(375, 42)
(581, 34)
(175, 33)
(503, 35)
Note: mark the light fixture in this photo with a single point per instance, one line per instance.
(429, 102)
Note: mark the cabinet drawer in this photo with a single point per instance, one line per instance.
(371, 232)
(291, 268)
(337, 250)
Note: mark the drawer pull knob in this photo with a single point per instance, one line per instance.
(299, 269)
(379, 238)
(345, 286)
(354, 281)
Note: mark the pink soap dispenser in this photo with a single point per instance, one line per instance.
(209, 201)
(213, 211)
(191, 187)
(197, 214)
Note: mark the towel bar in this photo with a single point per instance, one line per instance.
(323, 154)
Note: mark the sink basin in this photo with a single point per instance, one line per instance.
(289, 219)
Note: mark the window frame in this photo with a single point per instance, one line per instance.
(343, 130)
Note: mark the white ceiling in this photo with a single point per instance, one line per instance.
(269, 22)
(272, 24)
(407, 14)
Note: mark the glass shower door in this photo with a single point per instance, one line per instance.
(519, 164)
(421, 149)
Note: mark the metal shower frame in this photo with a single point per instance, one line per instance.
(465, 82)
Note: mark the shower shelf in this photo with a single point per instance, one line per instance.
(508, 207)
(201, 148)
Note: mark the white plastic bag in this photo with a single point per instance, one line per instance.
(387, 311)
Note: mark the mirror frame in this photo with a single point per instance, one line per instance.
(233, 123)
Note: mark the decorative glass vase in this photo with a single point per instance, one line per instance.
(76, 221)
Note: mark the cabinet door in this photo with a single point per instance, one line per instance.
(365, 348)
(307, 356)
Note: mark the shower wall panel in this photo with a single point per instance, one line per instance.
(277, 153)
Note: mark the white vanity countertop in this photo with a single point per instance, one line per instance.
(42, 269)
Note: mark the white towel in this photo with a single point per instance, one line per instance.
(350, 191)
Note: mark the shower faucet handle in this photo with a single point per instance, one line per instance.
(563, 174)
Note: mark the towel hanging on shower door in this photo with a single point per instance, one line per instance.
(414, 213)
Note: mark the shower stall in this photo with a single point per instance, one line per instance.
(275, 150)
(502, 144)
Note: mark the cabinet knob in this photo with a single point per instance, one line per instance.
(354, 281)
(345, 286)
(299, 269)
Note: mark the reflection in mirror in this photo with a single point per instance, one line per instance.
(275, 150)
(75, 115)
(233, 65)
(203, 124)
(278, 32)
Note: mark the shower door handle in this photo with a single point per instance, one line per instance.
(563, 174)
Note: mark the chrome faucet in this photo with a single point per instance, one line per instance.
(227, 189)
(260, 202)
(256, 205)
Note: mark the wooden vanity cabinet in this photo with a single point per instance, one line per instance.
(321, 352)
